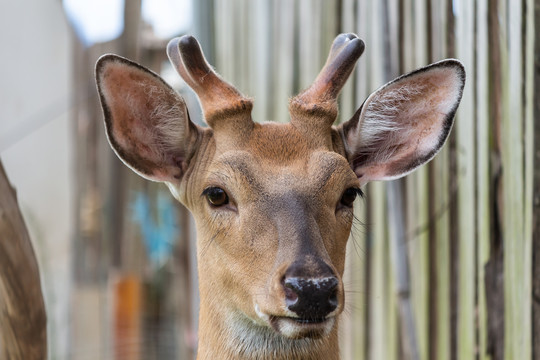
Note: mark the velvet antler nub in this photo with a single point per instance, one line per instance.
(318, 103)
(220, 100)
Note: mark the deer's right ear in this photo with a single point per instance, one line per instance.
(147, 122)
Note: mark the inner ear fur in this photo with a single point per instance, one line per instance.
(405, 123)
(147, 122)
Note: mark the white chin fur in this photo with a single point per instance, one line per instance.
(294, 330)
(290, 328)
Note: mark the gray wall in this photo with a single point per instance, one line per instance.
(35, 142)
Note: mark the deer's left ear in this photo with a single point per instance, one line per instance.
(405, 123)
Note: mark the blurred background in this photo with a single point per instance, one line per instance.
(441, 265)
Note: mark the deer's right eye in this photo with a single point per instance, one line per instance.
(348, 197)
(216, 196)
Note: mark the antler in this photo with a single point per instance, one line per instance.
(320, 99)
(219, 99)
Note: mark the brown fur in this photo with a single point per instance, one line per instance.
(278, 186)
(284, 182)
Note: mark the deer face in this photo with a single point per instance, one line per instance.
(273, 218)
(273, 202)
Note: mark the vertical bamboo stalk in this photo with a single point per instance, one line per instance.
(260, 44)
(242, 54)
(465, 132)
(482, 171)
(534, 9)
(203, 29)
(284, 15)
(329, 13)
(528, 175)
(517, 277)
(494, 279)
(224, 17)
(309, 41)
(398, 254)
(453, 245)
(379, 348)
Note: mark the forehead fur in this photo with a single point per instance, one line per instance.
(280, 143)
(277, 143)
(277, 154)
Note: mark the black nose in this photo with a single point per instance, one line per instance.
(311, 298)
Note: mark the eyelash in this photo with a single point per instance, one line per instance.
(349, 196)
(359, 192)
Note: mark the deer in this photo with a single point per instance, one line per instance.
(272, 201)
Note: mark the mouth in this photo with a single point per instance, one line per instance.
(304, 321)
(297, 328)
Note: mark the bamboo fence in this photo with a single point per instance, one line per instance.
(465, 229)
(444, 264)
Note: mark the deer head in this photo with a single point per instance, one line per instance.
(273, 202)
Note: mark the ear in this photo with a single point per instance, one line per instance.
(405, 123)
(146, 121)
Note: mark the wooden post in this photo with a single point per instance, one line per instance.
(23, 322)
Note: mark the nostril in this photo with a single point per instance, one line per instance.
(333, 299)
(290, 293)
(332, 291)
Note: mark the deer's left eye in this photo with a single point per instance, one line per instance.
(349, 195)
(216, 196)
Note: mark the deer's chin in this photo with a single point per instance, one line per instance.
(297, 328)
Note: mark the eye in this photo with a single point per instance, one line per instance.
(349, 196)
(216, 196)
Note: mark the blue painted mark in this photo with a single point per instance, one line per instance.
(158, 236)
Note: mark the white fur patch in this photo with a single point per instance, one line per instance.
(380, 125)
(290, 328)
(250, 340)
(169, 119)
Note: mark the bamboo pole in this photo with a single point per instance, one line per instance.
(284, 14)
(482, 171)
(465, 141)
(398, 253)
(23, 320)
(535, 293)
(529, 165)
(516, 259)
